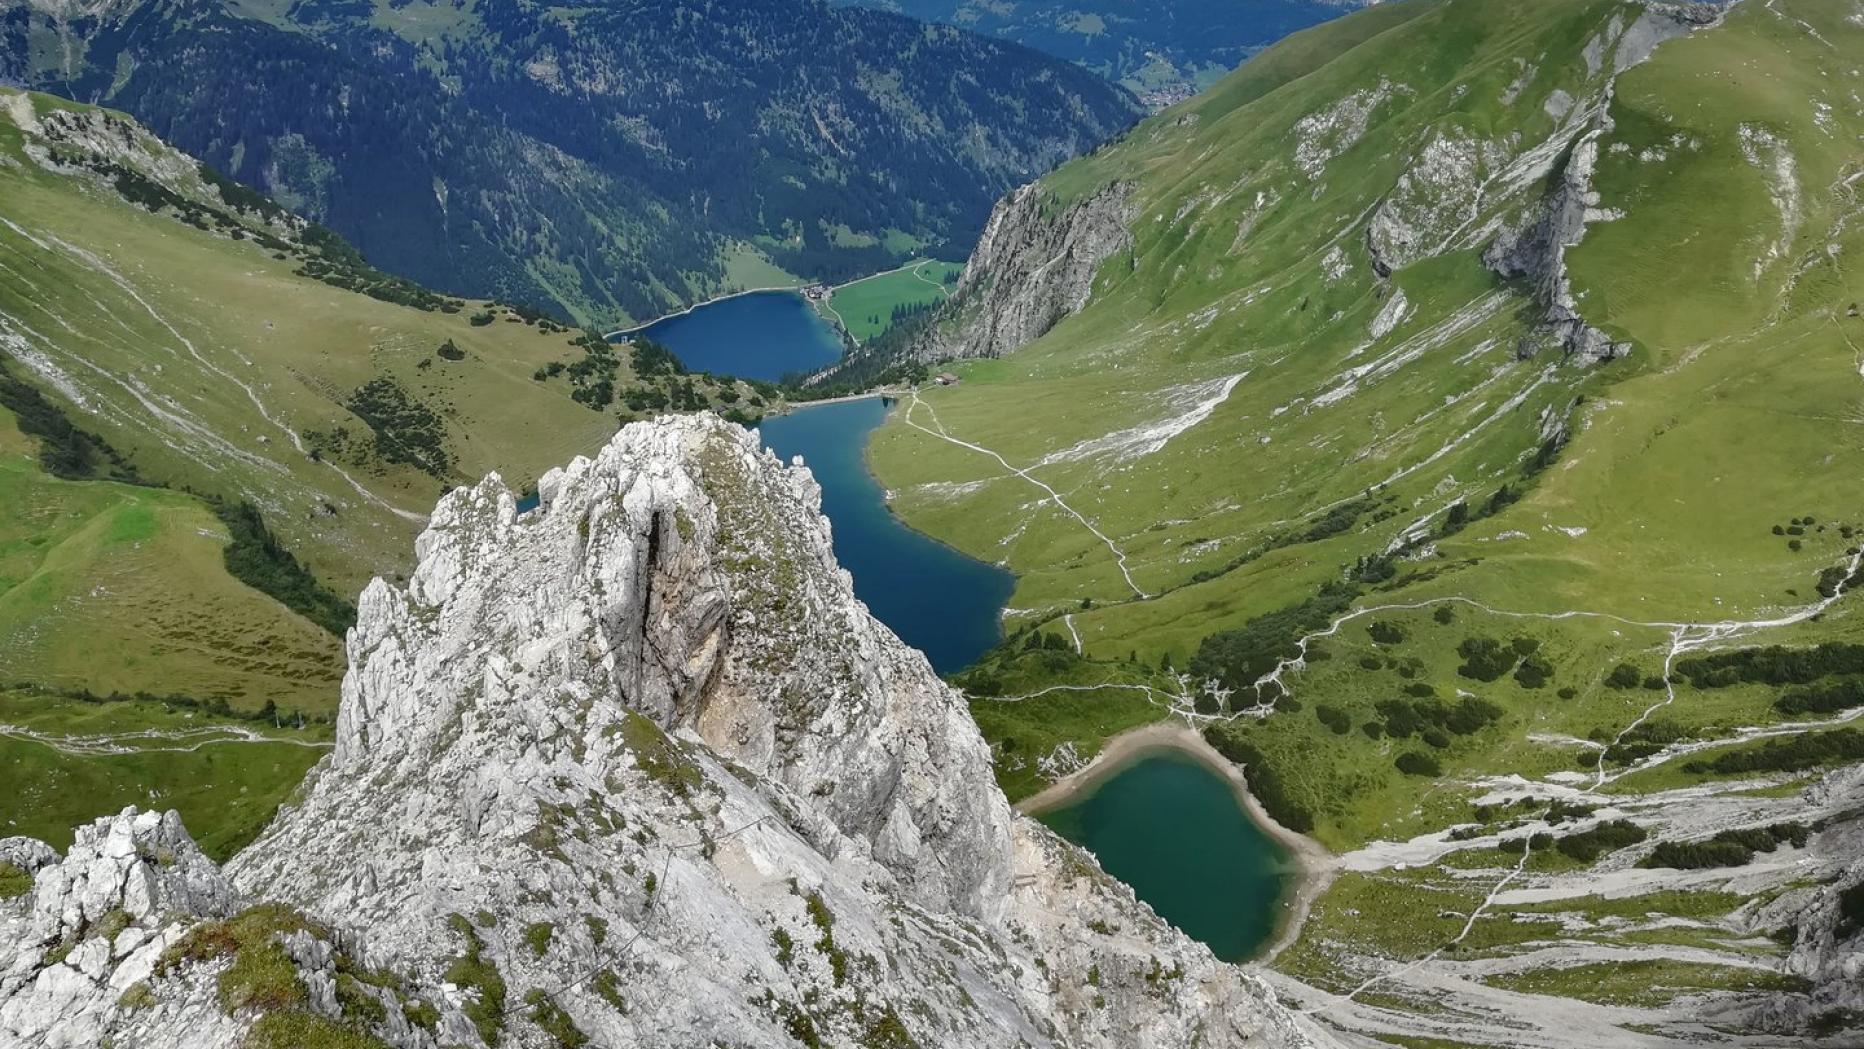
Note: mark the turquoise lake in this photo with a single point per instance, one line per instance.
(1175, 831)
(762, 335)
(940, 601)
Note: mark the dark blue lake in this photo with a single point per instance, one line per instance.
(940, 601)
(762, 335)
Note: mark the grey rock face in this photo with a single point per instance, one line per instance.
(1828, 944)
(96, 924)
(1538, 253)
(1030, 270)
(642, 754)
(1536, 250)
(1430, 203)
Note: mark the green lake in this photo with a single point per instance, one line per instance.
(1177, 833)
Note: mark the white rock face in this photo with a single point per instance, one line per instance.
(1438, 196)
(1828, 942)
(1030, 270)
(95, 925)
(683, 791)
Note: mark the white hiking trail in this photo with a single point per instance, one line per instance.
(1690, 637)
(919, 271)
(1118, 554)
(96, 263)
(1684, 637)
(1475, 915)
(186, 741)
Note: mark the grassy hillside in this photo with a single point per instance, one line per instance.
(1311, 474)
(66, 762)
(89, 567)
(867, 308)
(214, 359)
(216, 424)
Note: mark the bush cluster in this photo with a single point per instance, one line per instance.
(1772, 665)
(256, 557)
(1794, 754)
(1588, 845)
(1264, 783)
(1730, 848)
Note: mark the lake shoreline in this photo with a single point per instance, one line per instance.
(886, 494)
(789, 407)
(801, 283)
(932, 595)
(1314, 866)
(620, 333)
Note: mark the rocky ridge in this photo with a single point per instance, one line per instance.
(1036, 263)
(1535, 249)
(1824, 910)
(1033, 266)
(633, 768)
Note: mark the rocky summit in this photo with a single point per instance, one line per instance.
(632, 768)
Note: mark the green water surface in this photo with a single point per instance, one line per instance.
(1177, 833)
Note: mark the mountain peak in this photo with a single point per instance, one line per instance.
(639, 758)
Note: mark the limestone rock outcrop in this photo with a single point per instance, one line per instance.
(637, 767)
(1825, 913)
(96, 925)
(1537, 253)
(1032, 268)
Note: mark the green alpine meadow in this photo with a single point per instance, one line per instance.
(1451, 433)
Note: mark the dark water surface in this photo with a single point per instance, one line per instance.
(938, 600)
(1176, 832)
(762, 335)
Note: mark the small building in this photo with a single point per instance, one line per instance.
(947, 379)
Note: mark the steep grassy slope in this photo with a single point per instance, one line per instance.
(91, 567)
(1231, 383)
(213, 359)
(1470, 374)
(609, 162)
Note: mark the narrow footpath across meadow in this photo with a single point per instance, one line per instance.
(938, 430)
(151, 741)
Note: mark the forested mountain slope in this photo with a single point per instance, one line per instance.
(609, 162)
(1162, 50)
(1447, 412)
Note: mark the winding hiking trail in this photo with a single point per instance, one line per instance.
(1465, 1002)
(1475, 915)
(1119, 555)
(918, 271)
(1684, 638)
(96, 263)
(185, 741)
(1455, 986)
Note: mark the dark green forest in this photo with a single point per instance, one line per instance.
(592, 162)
